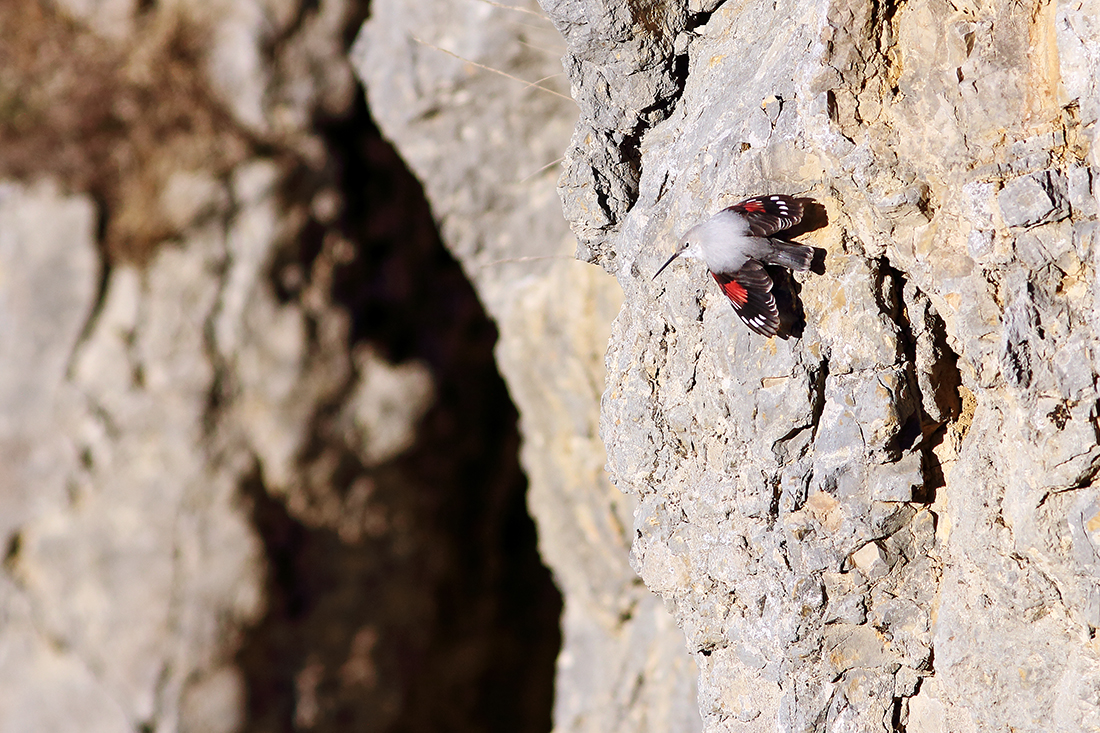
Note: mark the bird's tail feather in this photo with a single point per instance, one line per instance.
(789, 254)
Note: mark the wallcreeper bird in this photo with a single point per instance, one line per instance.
(736, 243)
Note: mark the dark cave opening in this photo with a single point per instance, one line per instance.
(445, 618)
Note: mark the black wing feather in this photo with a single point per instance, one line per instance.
(767, 215)
(759, 311)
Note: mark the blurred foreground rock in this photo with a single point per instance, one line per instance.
(259, 469)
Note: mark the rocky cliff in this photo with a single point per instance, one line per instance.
(891, 520)
(259, 471)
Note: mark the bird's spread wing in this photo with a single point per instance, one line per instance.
(750, 291)
(767, 215)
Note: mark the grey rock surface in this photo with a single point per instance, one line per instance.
(137, 398)
(129, 560)
(636, 45)
(485, 146)
(50, 268)
(882, 523)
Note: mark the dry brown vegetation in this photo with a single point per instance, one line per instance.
(111, 119)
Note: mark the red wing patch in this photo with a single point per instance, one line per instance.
(767, 215)
(750, 291)
(733, 290)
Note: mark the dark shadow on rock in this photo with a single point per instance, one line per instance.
(814, 217)
(817, 266)
(785, 289)
(427, 608)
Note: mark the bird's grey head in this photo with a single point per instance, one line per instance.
(688, 248)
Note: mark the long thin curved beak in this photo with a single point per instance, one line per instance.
(670, 259)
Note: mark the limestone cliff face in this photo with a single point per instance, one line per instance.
(891, 520)
(888, 521)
